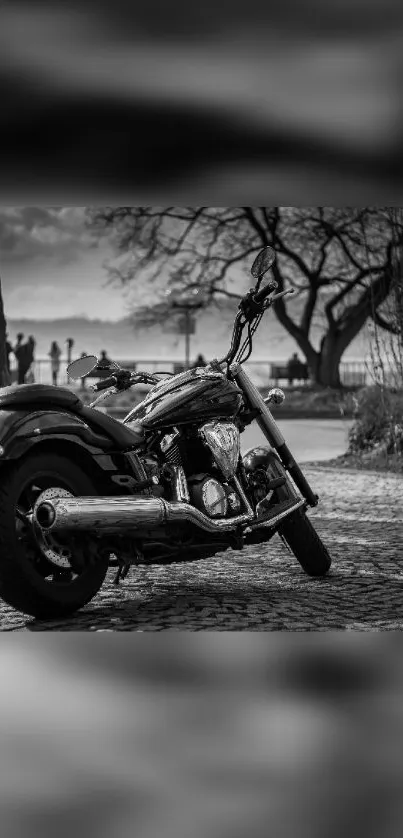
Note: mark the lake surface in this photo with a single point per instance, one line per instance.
(308, 439)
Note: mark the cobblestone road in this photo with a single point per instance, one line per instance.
(360, 518)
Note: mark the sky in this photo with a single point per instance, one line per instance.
(52, 268)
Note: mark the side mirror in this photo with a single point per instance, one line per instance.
(263, 262)
(82, 367)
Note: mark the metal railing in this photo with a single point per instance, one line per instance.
(352, 373)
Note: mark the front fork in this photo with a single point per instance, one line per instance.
(272, 432)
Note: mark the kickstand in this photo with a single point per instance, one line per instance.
(285, 544)
(122, 573)
(124, 567)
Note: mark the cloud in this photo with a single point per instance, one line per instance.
(57, 234)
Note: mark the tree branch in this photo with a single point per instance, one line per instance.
(257, 226)
(309, 309)
(384, 324)
(354, 318)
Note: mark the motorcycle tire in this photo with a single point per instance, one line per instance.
(24, 568)
(305, 544)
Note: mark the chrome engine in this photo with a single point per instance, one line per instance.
(215, 499)
(224, 441)
(202, 467)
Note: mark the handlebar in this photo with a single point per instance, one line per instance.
(123, 379)
(112, 381)
(251, 307)
(261, 295)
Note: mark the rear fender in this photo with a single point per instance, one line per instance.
(22, 432)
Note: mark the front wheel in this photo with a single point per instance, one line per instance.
(304, 542)
(43, 576)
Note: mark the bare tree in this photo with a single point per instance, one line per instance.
(4, 374)
(339, 259)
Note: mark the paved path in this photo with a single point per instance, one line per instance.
(360, 517)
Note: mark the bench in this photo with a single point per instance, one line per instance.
(299, 372)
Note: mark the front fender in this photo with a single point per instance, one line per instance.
(267, 458)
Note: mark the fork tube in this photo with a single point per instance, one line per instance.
(269, 427)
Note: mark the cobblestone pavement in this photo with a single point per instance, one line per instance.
(360, 518)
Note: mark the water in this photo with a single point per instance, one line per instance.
(308, 439)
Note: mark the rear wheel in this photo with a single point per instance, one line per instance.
(304, 542)
(40, 575)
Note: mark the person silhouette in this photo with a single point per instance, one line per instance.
(54, 355)
(9, 351)
(294, 368)
(30, 374)
(104, 362)
(22, 354)
(199, 362)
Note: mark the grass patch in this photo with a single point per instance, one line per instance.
(376, 437)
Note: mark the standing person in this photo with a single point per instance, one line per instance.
(70, 344)
(30, 376)
(54, 355)
(9, 351)
(21, 354)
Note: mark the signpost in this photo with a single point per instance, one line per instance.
(187, 327)
(186, 324)
(70, 344)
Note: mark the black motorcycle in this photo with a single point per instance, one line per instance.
(81, 492)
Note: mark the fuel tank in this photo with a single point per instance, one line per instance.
(190, 397)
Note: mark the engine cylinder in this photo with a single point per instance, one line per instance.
(209, 496)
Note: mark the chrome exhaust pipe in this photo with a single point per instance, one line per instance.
(106, 515)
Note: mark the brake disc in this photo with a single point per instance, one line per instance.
(55, 551)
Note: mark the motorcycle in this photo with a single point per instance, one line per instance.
(81, 492)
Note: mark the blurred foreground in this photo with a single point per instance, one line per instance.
(206, 737)
(219, 104)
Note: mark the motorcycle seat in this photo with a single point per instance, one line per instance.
(41, 395)
(47, 396)
(122, 436)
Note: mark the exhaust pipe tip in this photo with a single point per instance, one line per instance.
(45, 515)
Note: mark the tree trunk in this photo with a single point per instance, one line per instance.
(4, 374)
(327, 371)
(324, 366)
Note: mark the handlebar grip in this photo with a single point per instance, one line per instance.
(107, 382)
(264, 292)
